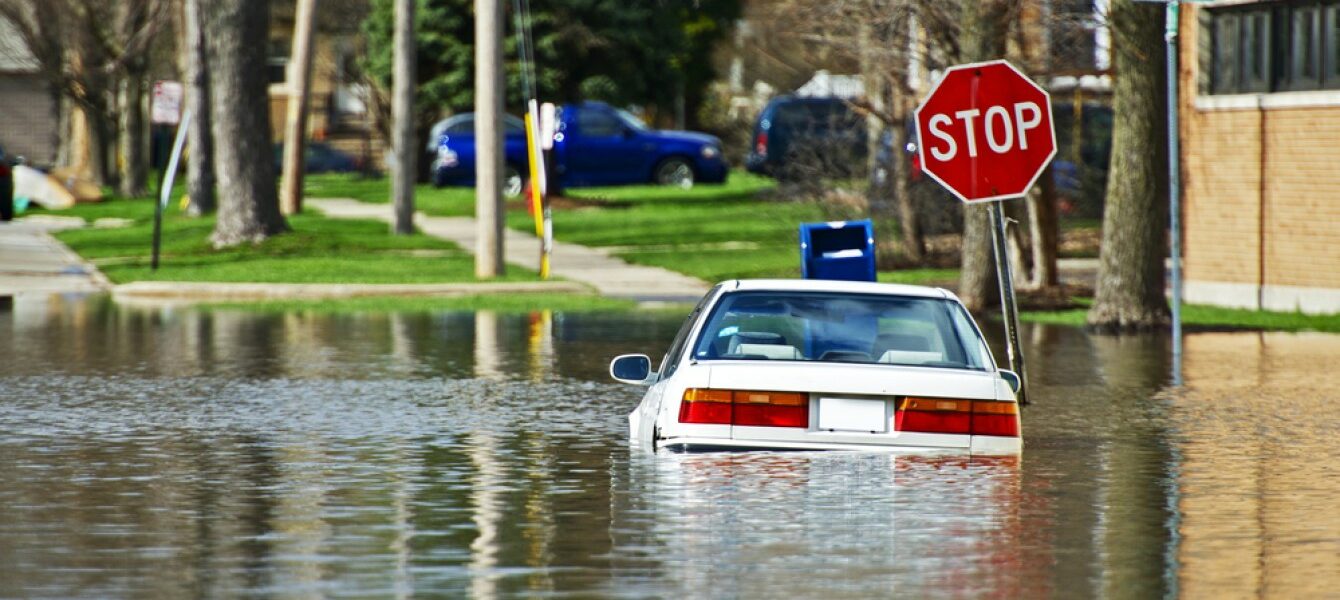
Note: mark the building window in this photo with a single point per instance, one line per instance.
(1275, 46)
(276, 61)
(1330, 35)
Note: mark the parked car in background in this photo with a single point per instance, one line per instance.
(796, 137)
(453, 148)
(6, 187)
(320, 157)
(595, 145)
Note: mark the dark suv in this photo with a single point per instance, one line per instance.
(6, 187)
(796, 137)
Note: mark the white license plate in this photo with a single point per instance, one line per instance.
(850, 414)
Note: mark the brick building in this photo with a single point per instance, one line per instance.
(1260, 135)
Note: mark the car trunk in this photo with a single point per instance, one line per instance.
(851, 403)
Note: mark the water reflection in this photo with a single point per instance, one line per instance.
(186, 453)
(1258, 427)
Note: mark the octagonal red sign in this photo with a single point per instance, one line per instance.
(985, 131)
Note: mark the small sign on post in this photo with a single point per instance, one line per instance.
(986, 134)
(165, 107)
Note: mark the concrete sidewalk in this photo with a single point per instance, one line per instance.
(609, 275)
(32, 261)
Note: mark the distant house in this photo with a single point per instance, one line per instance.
(1261, 154)
(27, 106)
(338, 111)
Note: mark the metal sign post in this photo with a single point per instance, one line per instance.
(986, 134)
(1174, 192)
(165, 191)
(1009, 309)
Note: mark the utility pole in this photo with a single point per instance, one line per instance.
(200, 167)
(488, 139)
(402, 119)
(299, 90)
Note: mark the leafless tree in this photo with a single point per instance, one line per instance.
(87, 50)
(881, 37)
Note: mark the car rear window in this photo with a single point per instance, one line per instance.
(814, 116)
(832, 327)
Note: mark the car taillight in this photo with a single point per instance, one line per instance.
(745, 408)
(761, 144)
(943, 415)
(4, 170)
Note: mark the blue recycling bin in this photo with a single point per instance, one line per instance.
(842, 250)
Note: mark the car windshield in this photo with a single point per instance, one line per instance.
(834, 327)
(631, 121)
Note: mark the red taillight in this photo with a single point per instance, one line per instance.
(4, 170)
(942, 415)
(761, 144)
(713, 413)
(745, 408)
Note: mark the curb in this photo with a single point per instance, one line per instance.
(194, 292)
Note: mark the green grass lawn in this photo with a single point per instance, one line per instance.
(318, 250)
(713, 232)
(445, 202)
(513, 303)
(936, 277)
(1194, 315)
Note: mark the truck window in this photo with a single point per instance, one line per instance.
(593, 123)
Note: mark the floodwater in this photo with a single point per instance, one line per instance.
(179, 453)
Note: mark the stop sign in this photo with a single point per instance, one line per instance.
(985, 131)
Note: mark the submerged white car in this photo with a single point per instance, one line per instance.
(813, 364)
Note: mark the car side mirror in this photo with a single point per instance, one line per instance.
(632, 368)
(1011, 378)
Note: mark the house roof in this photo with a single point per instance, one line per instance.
(14, 54)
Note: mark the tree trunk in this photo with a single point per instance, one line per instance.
(914, 243)
(134, 154)
(402, 116)
(909, 222)
(984, 26)
(240, 111)
(200, 166)
(64, 132)
(100, 138)
(1131, 274)
(1016, 213)
(1042, 227)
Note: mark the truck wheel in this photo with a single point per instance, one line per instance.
(513, 182)
(675, 171)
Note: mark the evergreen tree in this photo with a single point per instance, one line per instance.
(625, 53)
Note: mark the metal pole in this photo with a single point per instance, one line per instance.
(1174, 191)
(165, 191)
(1009, 311)
(295, 128)
(405, 63)
(488, 139)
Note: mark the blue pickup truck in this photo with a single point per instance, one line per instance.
(595, 145)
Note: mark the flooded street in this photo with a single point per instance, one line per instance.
(185, 453)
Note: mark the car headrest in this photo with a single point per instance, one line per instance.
(899, 341)
(753, 337)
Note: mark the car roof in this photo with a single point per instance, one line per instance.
(828, 285)
(793, 99)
